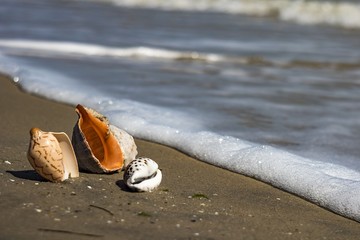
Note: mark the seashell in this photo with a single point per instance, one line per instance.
(99, 146)
(142, 174)
(52, 156)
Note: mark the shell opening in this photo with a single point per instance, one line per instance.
(104, 146)
(139, 180)
(70, 164)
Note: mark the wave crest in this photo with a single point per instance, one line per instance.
(341, 14)
(53, 49)
(50, 48)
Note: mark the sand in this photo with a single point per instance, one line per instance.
(194, 201)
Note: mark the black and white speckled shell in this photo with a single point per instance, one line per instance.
(142, 174)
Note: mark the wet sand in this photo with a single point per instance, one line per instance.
(194, 201)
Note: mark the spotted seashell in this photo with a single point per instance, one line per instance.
(142, 175)
(51, 155)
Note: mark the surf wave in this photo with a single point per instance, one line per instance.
(53, 49)
(343, 14)
(72, 48)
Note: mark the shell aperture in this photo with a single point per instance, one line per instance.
(96, 147)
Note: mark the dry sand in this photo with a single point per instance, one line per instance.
(194, 201)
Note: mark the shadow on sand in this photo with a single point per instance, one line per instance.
(121, 184)
(28, 175)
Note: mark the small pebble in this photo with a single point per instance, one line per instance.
(7, 162)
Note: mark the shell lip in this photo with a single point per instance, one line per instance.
(146, 185)
(139, 180)
(70, 162)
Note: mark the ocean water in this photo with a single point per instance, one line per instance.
(269, 89)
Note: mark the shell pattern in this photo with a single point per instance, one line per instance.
(142, 174)
(51, 155)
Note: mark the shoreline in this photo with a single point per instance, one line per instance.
(195, 200)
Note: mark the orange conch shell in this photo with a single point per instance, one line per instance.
(96, 146)
(51, 155)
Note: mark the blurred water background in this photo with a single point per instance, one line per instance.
(269, 89)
